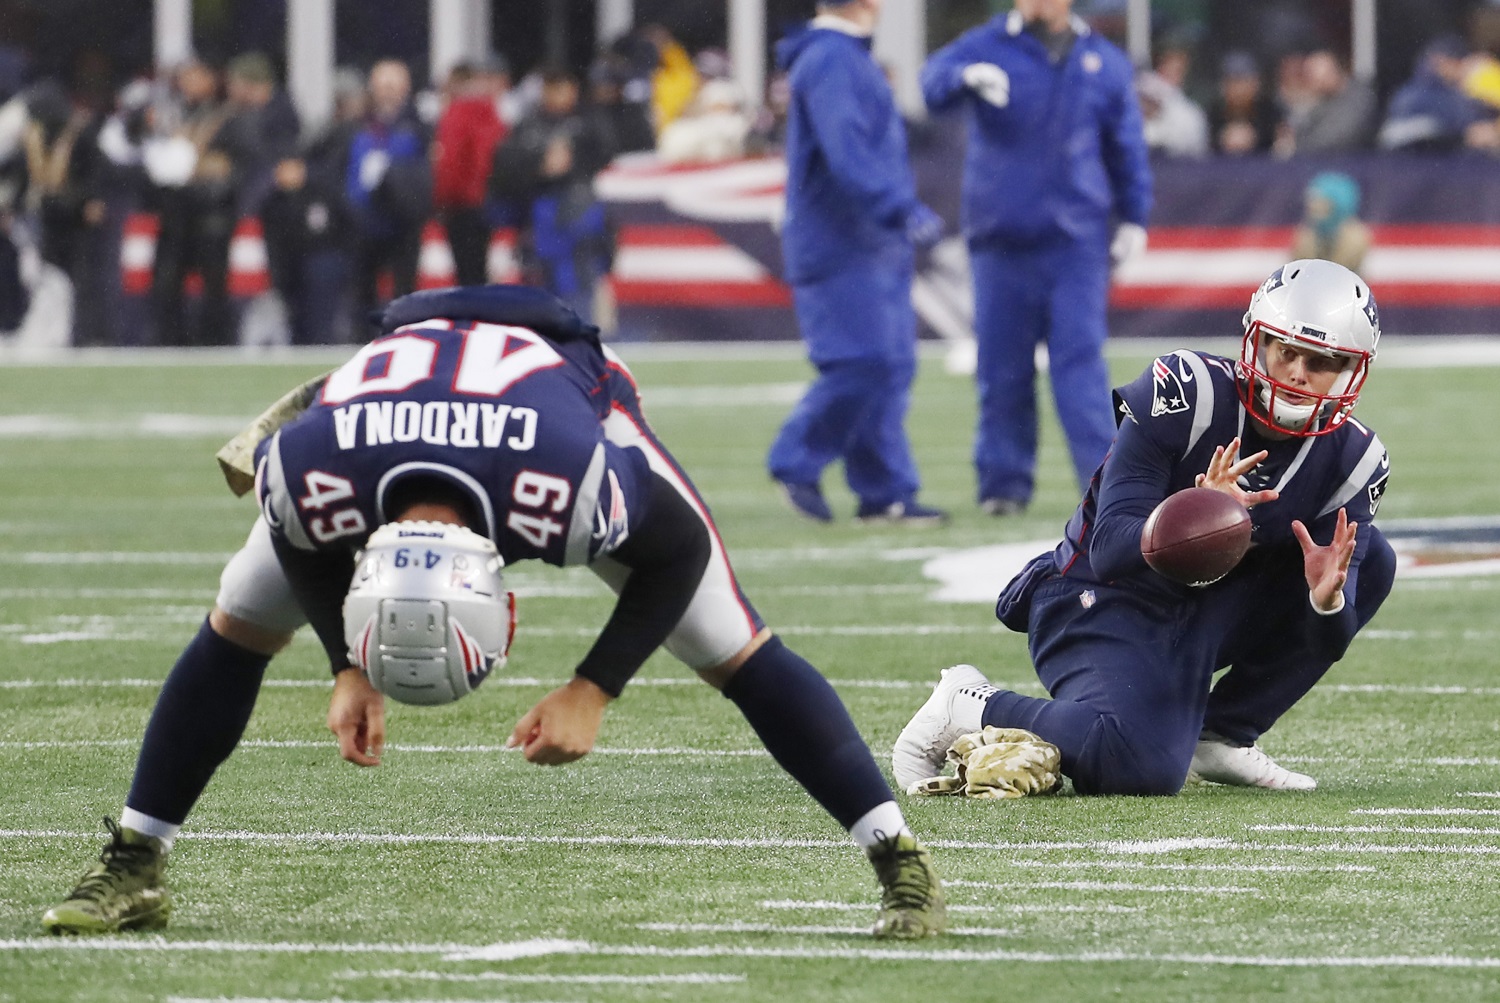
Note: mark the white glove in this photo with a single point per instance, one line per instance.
(989, 81)
(1130, 241)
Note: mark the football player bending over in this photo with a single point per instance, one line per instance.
(485, 426)
(1129, 656)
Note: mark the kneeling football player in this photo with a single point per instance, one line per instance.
(485, 426)
(1129, 656)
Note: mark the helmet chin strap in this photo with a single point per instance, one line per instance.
(1291, 417)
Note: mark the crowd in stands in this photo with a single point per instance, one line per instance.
(1309, 103)
(343, 210)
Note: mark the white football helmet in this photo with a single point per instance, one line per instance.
(427, 616)
(1316, 305)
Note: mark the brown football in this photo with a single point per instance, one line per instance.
(1196, 536)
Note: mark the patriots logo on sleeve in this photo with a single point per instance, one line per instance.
(1377, 492)
(611, 525)
(1167, 396)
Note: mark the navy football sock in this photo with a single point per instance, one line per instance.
(198, 720)
(808, 731)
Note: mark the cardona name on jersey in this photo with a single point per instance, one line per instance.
(438, 423)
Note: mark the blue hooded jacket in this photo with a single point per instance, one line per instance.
(1065, 153)
(849, 187)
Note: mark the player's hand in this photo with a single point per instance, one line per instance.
(1224, 473)
(989, 81)
(1327, 568)
(563, 725)
(356, 716)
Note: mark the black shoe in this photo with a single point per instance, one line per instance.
(806, 499)
(908, 513)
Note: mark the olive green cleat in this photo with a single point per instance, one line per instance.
(911, 900)
(123, 892)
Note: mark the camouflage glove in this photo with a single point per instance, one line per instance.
(997, 763)
(237, 457)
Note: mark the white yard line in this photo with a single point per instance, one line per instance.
(603, 979)
(1415, 830)
(859, 931)
(1104, 886)
(1233, 868)
(1121, 847)
(797, 905)
(1425, 811)
(455, 952)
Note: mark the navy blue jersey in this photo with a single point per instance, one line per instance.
(1170, 420)
(511, 418)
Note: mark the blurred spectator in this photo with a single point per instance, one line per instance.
(621, 100)
(1337, 114)
(1174, 124)
(462, 152)
(263, 128)
(64, 165)
(675, 79)
(713, 128)
(1331, 227)
(192, 191)
(768, 130)
(546, 167)
(305, 220)
(388, 185)
(1243, 118)
(15, 284)
(1431, 111)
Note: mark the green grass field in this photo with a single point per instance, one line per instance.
(677, 862)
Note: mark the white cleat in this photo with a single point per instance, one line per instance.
(922, 746)
(1218, 760)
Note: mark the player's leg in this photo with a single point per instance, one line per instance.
(198, 719)
(1267, 676)
(1075, 351)
(792, 708)
(1008, 317)
(1127, 702)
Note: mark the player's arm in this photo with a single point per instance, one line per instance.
(667, 554)
(1132, 482)
(356, 711)
(1332, 548)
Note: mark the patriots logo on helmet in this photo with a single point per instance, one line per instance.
(1275, 280)
(1372, 312)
